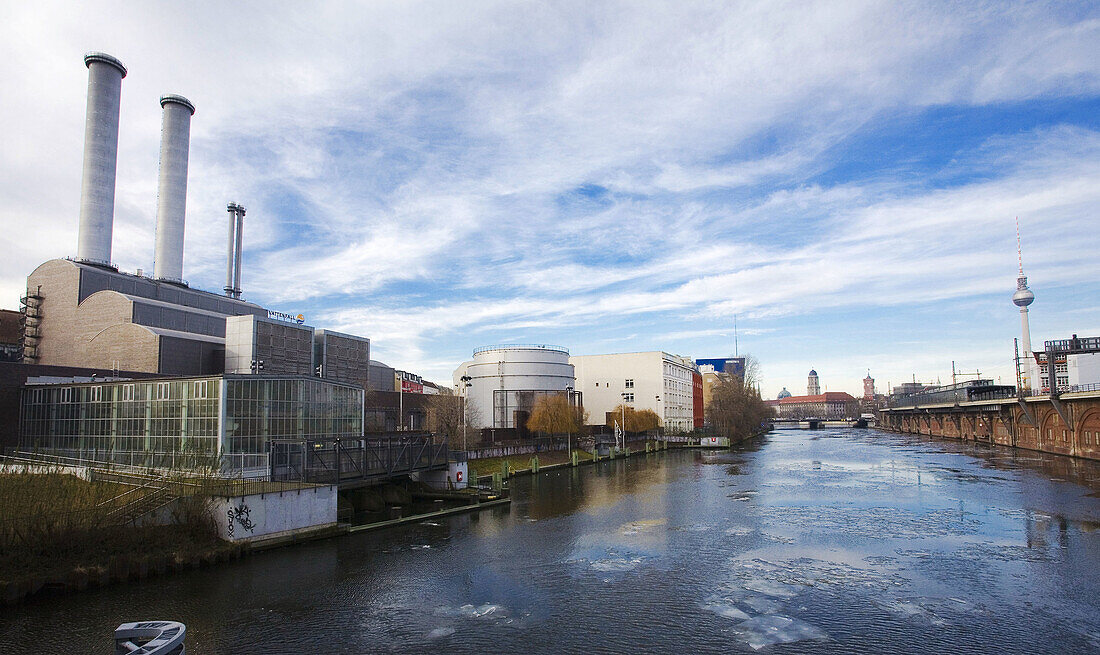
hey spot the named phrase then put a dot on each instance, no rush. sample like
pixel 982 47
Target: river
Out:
pixel 830 541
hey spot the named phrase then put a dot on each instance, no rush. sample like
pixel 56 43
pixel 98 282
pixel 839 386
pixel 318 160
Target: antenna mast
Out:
pixel 735 353
pixel 1019 249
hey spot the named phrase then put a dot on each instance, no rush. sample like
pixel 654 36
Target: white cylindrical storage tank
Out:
pixel 97 187
pixel 175 140
pixel 507 378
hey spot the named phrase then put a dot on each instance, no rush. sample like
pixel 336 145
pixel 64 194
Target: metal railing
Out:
pixel 143 462
pixel 1074 345
pixel 1062 388
pixel 521 346
pixel 352 460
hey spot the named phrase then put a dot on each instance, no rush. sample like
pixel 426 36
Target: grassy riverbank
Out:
pixel 490 465
pixel 57 530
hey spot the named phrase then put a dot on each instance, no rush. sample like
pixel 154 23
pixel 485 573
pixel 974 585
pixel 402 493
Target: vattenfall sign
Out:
pixel 279 316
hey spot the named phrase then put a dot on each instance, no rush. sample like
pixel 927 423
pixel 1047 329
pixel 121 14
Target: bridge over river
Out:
pixel 1065 424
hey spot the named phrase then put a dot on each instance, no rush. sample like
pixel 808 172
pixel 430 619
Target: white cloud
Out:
pixel 411 170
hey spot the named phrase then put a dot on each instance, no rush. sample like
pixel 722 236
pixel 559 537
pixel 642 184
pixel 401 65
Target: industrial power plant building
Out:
pixel 242 376
pixel 86 313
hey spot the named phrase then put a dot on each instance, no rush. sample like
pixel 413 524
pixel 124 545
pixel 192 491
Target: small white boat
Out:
pixel 150 638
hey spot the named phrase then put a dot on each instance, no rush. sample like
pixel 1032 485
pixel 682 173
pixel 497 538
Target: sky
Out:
pixel 843 178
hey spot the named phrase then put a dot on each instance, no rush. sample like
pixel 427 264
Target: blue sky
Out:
pixel 611 177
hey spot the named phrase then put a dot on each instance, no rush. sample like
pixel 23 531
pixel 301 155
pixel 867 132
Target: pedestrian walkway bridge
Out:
pixel 352 463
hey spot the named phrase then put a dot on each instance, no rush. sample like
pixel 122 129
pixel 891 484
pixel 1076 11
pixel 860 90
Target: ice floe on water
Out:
pixel 624 549
pixel 724 607
pixel 471 611
pixel 616 564
pixel 770 588
pixel 440 633
pixel 694 527
pixel 769 629
pixel 910 609
pixel 634 527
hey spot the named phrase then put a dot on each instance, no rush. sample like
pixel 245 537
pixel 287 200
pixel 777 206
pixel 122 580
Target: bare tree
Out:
pixel 736 409
pixel 445 416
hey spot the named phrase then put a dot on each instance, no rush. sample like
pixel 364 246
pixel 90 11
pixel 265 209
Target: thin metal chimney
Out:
pixel 237 255
pixel 230 250
pixel 175 139
pixel 97 188
pixel 233 250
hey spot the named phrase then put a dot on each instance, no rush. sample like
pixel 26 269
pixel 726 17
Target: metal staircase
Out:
pixel 31 307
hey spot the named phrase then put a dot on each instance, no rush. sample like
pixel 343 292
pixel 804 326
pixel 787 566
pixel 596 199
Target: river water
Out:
pixel 831 541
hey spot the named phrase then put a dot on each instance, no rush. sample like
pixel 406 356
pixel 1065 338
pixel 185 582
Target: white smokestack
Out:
pixel 230 250
pixel 233 250
pixel 97 189
pixel 175 139
pixel 237 254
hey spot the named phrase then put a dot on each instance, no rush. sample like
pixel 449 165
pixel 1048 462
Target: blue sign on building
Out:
pixel 728 365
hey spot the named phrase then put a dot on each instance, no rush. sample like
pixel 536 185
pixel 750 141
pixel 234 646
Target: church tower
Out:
pixel 813 386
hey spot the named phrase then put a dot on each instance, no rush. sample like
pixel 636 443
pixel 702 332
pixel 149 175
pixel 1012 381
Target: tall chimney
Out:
pixel 175 139
pixel 237 255
pixel 97 188
pixel 231 251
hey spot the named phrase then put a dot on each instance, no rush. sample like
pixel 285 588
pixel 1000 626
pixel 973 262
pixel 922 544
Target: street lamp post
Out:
pixel 466 384
pixel 623 408
pixel 569 432
pixel 660 416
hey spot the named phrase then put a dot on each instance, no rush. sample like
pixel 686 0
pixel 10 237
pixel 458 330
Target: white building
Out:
pixel 504 382
pixel 1072 372
pixel 650 380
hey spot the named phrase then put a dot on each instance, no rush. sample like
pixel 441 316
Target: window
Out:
pixel 630 384
pixel 163 391
pixel 95 394
pixel 628 397
pixel 127 392
pixel 201 389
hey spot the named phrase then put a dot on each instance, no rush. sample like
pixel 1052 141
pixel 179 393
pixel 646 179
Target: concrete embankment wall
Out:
pixel 259 517
pixel 1069 427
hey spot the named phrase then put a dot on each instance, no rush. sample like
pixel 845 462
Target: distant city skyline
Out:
pixel 611 178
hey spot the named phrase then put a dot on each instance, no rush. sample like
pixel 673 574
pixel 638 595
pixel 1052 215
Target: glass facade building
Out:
pixel 230 419
pixel 511 409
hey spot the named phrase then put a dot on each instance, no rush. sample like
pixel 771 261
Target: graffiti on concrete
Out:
pixel 240 515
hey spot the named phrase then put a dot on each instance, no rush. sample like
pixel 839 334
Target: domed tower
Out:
pixel 1022 298
pixel 783 394
pixel 813 386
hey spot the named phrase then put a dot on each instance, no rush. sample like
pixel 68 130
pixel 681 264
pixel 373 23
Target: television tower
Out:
pixel 1023 296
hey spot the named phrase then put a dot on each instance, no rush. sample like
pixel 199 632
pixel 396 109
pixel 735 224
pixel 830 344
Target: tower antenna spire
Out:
pixel 1019 249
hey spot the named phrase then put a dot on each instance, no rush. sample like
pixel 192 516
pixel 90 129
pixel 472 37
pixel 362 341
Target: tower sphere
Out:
pixel 1023 297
